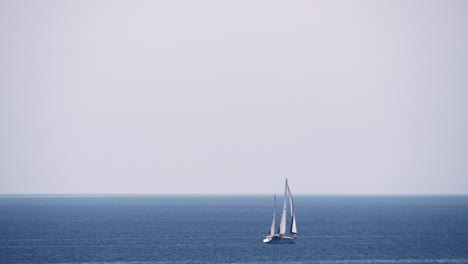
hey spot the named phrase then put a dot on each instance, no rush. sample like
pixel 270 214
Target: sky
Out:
pixel 232 97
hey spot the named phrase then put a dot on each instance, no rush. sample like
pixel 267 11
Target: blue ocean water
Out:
pixel 230 229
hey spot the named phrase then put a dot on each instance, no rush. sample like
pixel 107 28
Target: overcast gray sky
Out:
pixel 356 97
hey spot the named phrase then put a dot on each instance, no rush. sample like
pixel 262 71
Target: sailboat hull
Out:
pixel 278 239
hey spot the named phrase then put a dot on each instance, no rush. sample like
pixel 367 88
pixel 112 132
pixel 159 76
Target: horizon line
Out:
pixel 228 194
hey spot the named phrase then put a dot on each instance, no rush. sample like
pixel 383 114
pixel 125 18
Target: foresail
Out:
pixel 293 226
pixel 293 229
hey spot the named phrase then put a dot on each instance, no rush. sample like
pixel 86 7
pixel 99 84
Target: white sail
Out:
pixel 272 229
pixel 282 229
pixel 293 229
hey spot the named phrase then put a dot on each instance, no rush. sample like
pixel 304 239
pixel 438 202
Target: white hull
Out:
pixel 278 239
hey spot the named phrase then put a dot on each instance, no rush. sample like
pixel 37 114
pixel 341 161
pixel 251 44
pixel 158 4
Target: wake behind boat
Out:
pixel 281 236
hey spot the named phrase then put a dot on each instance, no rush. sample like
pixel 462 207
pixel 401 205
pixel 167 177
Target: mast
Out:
pixel 272 229
pixel 282 229
pixel 293 229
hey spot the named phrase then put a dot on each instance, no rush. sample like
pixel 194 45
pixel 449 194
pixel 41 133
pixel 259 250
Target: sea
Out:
pixel 133 229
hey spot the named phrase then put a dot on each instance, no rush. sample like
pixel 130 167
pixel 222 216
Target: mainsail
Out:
pixel 282 226
pixel 282 229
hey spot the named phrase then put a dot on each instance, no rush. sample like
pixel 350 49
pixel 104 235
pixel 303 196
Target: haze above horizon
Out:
pixel 199 97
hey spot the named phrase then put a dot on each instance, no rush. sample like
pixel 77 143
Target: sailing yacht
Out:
pixel 281 236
